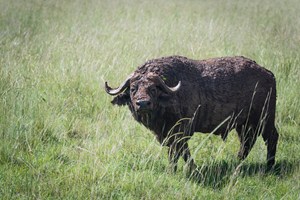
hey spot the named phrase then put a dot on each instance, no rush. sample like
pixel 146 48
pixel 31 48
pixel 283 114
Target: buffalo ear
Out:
pixel 121 99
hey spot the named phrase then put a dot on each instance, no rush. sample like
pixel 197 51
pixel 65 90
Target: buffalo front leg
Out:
pixel 177 150
pixel 173 158
pixel 247 137
pixel 186 155
pixel 179 146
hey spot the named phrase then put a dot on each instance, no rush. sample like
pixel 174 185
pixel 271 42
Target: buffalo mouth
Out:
pixel 144 110
pixel 145 116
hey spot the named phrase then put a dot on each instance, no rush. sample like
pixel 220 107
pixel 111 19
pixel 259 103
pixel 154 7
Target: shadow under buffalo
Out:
pixel 219 174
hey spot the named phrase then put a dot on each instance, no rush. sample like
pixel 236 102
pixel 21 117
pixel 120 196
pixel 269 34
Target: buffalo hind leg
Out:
pixel 270 136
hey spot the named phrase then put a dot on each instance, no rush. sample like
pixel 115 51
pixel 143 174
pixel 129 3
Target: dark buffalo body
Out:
pixel 172 95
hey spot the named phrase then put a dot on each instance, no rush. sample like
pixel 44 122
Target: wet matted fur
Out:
pixel 176 96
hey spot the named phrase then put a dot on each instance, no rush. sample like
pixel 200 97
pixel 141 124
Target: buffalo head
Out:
pixel 143 93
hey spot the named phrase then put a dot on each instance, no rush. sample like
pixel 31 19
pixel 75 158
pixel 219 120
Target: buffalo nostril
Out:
pixel 143 103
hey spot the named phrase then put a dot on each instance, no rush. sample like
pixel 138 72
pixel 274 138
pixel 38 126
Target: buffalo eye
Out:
pixel 133 90
pixel 153 90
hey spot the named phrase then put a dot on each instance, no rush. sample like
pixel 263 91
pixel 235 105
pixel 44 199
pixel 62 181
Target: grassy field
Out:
pixel 62 139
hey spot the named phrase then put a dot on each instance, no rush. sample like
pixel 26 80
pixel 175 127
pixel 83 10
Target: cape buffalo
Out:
pixel 176 96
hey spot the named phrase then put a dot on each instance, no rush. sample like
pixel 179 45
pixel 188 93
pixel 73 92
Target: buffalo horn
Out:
pixel 120 89
pixel 167 88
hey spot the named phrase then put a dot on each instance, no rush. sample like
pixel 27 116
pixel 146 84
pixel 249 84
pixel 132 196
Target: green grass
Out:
pixel 62 139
